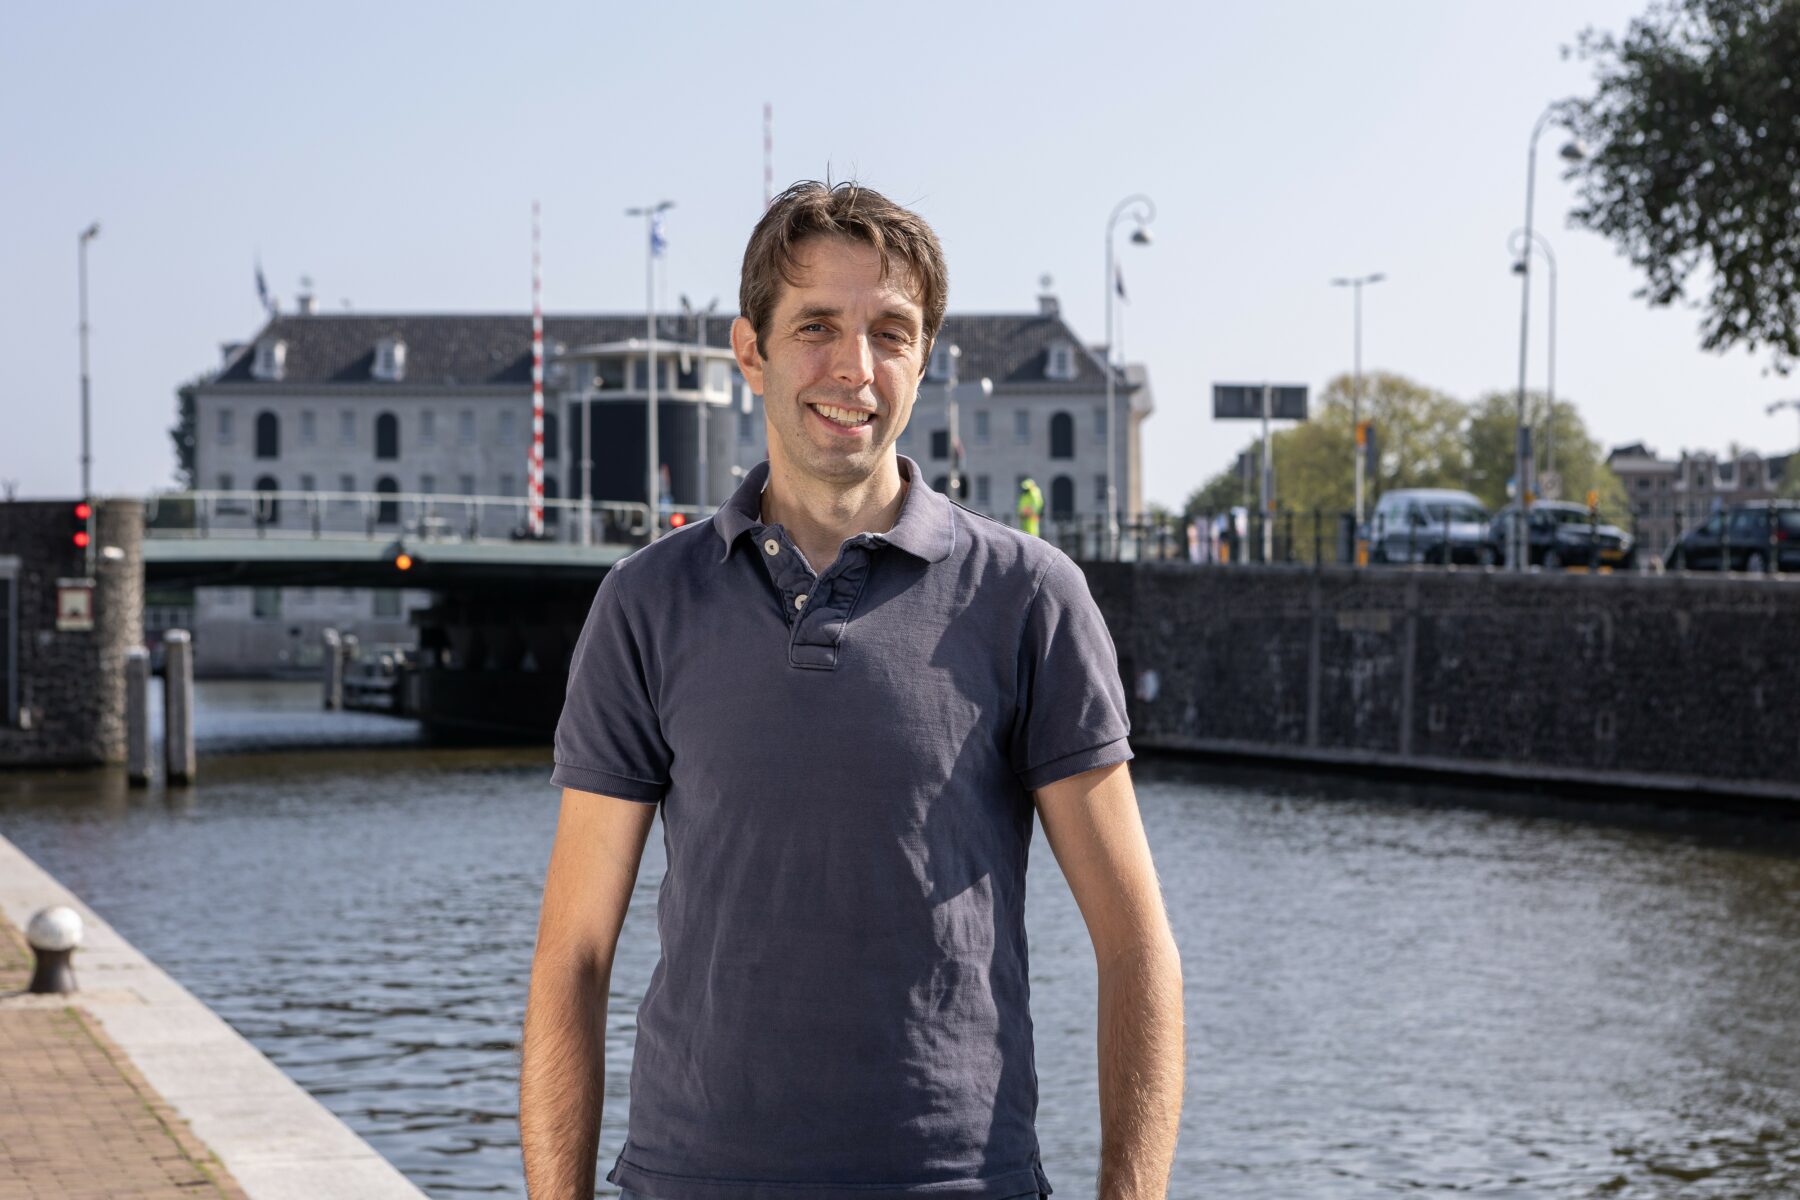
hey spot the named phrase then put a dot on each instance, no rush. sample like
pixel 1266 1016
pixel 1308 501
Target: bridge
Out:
pixel 383 539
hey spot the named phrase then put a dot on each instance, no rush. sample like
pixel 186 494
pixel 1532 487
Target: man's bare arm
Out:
pixel 562 1079
pixel 1091 821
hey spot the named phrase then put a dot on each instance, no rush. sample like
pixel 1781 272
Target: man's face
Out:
pixel 840 366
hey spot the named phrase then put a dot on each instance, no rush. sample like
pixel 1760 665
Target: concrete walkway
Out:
pixel 131 1089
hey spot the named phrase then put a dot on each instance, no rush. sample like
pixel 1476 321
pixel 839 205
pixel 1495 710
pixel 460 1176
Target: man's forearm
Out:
pixel 1142 1071
pixel 562 1078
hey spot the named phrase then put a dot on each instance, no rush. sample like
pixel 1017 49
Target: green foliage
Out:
pixel 1694 134
pixel 183 432
pixel 1579 460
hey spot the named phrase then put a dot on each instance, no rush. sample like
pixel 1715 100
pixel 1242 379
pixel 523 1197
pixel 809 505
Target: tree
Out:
pixel 1694 133
pixel 1579 462
pixel 183 432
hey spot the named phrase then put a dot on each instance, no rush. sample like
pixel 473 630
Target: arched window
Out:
pixel 550 493
pixel 1062 498
pixel 268 500
pixel 268 435
pixel 1062 436
pixel 387 437
pixel 388 512
pixel 550 432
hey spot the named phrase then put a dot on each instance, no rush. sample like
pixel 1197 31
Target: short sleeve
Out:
pixel 608 739
pixel 1071 713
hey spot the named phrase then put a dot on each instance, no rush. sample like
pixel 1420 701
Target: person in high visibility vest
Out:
pixel 1031 506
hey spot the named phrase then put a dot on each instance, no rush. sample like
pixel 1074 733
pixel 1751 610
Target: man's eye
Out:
pixel 811 326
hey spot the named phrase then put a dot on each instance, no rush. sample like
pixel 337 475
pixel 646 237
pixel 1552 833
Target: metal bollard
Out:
pixel 137 716
pixel 178 706
pixel 54 934
pixel 332 662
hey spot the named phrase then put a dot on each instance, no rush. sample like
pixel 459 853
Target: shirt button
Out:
pixel 772 547
pixel 800 600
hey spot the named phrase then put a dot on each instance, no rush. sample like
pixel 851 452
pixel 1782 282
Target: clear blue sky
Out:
pixel 391 151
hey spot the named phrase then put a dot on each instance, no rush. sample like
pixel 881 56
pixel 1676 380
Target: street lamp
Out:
pixel 1356 286
pixel 1143 211
pixel 81 243
pixel 1572 151
pixel 1542 246
pixel 653 476
pixel 698 316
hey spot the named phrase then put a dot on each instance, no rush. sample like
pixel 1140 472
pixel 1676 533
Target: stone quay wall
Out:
pixel 70 684
pixel 1671 682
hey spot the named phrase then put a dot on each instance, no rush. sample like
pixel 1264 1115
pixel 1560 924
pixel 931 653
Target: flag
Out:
pixel 658 243
pixel 262 290
pixel 1119 283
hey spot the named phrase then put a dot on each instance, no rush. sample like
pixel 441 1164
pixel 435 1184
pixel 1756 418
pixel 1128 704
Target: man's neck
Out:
pixel 820 516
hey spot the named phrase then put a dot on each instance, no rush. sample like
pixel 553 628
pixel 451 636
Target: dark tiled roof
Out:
pixel 487 350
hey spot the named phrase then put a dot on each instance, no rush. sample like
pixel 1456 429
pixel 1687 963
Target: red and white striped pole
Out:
pixel 535 488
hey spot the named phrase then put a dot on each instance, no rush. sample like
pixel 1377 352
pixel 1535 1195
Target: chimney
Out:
pixel 1047 306
pixel 305 304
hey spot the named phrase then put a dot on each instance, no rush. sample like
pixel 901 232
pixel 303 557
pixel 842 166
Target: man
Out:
pixel 1031 505
pixel 845 693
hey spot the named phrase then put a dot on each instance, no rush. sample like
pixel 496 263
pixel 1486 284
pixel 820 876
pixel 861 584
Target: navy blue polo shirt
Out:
pixel 844 760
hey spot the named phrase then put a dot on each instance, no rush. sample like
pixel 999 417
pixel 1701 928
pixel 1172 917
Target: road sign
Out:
pixel 1244 402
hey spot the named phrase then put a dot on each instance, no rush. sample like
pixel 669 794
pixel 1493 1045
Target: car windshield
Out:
pixel 1439 512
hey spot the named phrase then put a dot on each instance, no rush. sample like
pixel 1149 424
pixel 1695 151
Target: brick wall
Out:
pixel 1661 681
pixel 71 684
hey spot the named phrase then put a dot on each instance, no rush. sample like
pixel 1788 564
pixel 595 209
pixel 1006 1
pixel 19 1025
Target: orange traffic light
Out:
pixel 403 561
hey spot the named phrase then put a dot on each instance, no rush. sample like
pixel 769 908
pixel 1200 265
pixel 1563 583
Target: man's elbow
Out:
pixel 1150 950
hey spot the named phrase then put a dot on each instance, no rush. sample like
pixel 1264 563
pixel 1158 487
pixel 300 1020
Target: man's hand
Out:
pixel 593 866
pixel 1092 823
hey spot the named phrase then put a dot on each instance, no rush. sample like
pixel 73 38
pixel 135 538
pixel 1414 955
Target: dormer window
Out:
pixel 1061 362
pixel 390 360
pixel 938 369
pixel 270 360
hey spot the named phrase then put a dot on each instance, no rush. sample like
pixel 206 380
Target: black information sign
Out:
pixel 1244 402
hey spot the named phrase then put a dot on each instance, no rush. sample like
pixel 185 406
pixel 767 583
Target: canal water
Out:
pixel 1390 990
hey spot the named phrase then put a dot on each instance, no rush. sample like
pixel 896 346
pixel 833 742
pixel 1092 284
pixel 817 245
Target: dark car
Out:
pixel 1744 537
pixel 1564 534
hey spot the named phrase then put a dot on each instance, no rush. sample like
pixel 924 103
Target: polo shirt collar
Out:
pixel 926 528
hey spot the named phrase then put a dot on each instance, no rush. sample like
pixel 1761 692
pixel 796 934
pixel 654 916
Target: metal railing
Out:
pixel 375 515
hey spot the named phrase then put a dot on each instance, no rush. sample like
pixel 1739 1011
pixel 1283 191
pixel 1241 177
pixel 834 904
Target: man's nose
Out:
pixel 854 363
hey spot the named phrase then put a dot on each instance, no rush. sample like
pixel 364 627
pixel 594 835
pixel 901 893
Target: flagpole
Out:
pixel 535 477
pixel 652 472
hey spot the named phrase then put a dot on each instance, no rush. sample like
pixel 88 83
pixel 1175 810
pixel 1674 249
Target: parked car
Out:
pixel 1563 534
pixel 1430 525
pixel 1744 537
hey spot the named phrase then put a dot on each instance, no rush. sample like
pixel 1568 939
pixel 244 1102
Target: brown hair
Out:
pixel 812 209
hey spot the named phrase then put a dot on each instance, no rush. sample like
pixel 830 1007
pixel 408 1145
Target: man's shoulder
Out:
pixel 1002 545
pixel 674 555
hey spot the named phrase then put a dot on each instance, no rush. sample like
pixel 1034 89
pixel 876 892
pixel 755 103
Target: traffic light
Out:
pixel 84 513
pixel 403 561
pixel 677 520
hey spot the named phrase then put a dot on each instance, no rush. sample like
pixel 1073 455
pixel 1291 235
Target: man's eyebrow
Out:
pixel 814 312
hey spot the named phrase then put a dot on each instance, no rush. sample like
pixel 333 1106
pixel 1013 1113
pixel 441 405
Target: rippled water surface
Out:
pixel 1389 990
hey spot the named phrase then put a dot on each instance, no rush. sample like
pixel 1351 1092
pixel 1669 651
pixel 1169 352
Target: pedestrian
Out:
pixel 848 697
pixel 1031 505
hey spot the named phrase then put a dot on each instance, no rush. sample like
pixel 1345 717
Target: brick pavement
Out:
pixel 77 1120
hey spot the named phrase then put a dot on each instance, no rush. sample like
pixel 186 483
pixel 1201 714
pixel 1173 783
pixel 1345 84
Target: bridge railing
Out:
pixel 373 516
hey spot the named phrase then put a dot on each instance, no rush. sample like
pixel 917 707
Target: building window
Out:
pixel 308 483
pixel 388 511
pixel 1100 490
pixel 1062 436
pixel 428 485
pixel 224 481
pixel 506 485
pixel 387 437
pixel 268 502
pixel 468 485
pixel 940 444
pixel 1060 363
pixel 982 433
pixel 268 435
pixel 509 427
pixel 983 490
pixel 387 603
pixel 428 427
pixel 270 361
pixel 225 425
pixel 937 369
pixel 265 603
pixel 1062 498
pixel 551 492
pixel 390 360
pixel 465 427
pixel 309 427
pixel 347 427
pixel 1100 423
pixel 346 483
pixel 551 449
pixel 1022 426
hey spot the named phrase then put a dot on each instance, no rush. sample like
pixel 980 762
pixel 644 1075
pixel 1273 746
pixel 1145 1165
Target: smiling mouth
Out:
pixel 843 418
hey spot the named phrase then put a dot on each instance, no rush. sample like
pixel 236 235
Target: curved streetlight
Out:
pixel 1516 246
pixel 1572 151
pixel 1143 211
pixel 1356 285
pixel 653 486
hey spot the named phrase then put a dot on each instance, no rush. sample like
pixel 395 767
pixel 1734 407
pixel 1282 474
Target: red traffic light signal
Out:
pixel 677 520
pixel 83 512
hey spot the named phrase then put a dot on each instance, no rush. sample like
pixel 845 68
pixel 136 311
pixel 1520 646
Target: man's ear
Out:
pixel 748 354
